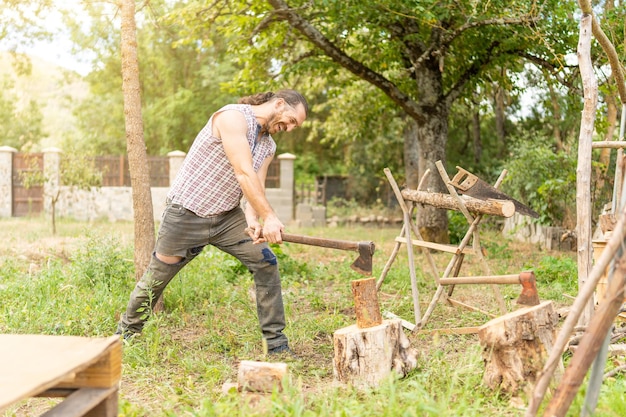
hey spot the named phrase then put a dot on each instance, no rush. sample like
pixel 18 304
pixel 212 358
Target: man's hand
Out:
pixel 255 231
pixel 273 230
pixel 273 226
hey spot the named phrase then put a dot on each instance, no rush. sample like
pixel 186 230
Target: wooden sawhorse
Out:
pixel 85 370
pixel 450 277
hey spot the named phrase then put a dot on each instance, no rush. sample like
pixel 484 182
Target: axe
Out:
pixel 362 264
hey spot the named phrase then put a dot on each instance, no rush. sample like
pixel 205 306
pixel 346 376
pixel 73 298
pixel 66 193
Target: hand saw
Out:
pixel 470 184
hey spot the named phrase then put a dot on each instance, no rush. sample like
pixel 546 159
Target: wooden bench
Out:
pixel 85 371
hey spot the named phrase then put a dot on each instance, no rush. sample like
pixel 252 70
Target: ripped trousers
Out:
pixel 182 233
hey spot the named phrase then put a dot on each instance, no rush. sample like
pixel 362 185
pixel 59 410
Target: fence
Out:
pixel 115 170
pixel 112 200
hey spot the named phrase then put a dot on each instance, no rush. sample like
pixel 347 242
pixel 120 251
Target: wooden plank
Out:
pixel 102 374
pixel 436 246
pixel 84 401
pixel 31 364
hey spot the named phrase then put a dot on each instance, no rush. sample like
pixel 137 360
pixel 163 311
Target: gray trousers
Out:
pixel 182 233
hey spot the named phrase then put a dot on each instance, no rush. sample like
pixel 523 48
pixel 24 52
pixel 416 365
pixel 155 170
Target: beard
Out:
pixel 272 124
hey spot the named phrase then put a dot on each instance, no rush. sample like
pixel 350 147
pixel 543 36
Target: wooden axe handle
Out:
pixel 322 242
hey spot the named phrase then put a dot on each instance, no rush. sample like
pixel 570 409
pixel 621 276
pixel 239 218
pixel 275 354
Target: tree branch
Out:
pixel 456 90
pixel 609 49
pixel 451 36
pixel 283 12
pixel 553 70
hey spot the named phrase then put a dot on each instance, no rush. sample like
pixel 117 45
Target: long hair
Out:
pixel 291 97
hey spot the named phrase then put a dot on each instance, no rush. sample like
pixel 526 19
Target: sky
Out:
pixel 59 51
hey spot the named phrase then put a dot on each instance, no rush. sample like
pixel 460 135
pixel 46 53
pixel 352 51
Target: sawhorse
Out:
pixel 450 278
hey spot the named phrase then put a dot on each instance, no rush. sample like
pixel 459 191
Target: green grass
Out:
pixel 78 283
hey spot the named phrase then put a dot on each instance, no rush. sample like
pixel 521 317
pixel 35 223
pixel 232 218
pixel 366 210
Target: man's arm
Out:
pixel 252 218
pixel 231 127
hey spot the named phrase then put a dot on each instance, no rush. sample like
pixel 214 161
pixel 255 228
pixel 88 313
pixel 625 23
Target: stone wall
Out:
pixel 115 203
pixel 524 229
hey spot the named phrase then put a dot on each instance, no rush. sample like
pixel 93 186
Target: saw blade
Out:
pixel 467 183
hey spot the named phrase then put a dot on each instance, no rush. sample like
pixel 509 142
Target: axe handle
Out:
pixel 327 243
pixel 318 241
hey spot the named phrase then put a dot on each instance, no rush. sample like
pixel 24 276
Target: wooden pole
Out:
pixel 590 343
pixel 584 294
pixel 583 169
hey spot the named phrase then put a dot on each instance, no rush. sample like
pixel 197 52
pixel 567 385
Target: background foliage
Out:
pixel 194 58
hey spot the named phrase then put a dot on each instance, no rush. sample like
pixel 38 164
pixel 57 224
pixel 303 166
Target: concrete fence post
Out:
pixel 52 175
pixel 6 180
pixel 287 181
pixel 176 160
pixel 286 171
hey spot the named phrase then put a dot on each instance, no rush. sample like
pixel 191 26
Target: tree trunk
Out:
pixel 499 100
pixel 476 139
pixel 516 345
pixel 556 115
pixel 365 357
pixel 431 139
pixel 135 145
pixel 411 154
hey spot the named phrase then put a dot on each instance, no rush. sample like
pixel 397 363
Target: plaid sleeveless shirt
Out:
pixel 206 183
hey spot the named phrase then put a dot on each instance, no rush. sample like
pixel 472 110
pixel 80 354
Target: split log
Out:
pixel 261 376
pixel 366 303
pixel 516 345
pixel 365 357
pixel 502 208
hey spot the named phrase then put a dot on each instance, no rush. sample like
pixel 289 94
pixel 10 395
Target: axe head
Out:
pixel 529 296
pixel 363 264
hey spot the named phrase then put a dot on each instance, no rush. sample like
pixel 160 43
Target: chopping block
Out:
pixel 369 351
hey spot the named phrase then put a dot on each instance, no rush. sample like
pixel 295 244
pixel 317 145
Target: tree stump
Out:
pixel 516 346
pixel 366 303
pixel 365 357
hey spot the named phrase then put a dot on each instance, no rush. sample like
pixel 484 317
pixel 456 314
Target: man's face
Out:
pixel 285 118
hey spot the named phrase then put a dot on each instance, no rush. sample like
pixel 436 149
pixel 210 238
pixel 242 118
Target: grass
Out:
pixel 78 282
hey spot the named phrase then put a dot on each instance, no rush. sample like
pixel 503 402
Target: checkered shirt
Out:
pixel 206 183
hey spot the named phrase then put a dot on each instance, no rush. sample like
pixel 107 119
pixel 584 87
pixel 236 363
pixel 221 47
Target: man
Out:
pixel 227 161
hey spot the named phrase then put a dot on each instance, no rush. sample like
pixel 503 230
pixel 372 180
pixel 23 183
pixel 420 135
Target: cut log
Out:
pixel 261 376
pixel 515 347
pixel 365 357
pixel 366 304
pixel 502 208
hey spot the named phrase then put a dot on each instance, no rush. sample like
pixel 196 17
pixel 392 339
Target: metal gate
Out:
pixel 26 201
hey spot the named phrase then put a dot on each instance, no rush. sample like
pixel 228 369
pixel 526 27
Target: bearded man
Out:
pixel 228 161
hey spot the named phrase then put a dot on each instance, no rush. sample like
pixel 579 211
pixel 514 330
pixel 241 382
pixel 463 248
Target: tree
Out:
pixel 21 23
pixel 136 148
pixel 182 85
pixel 422 56
pixel 19 128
